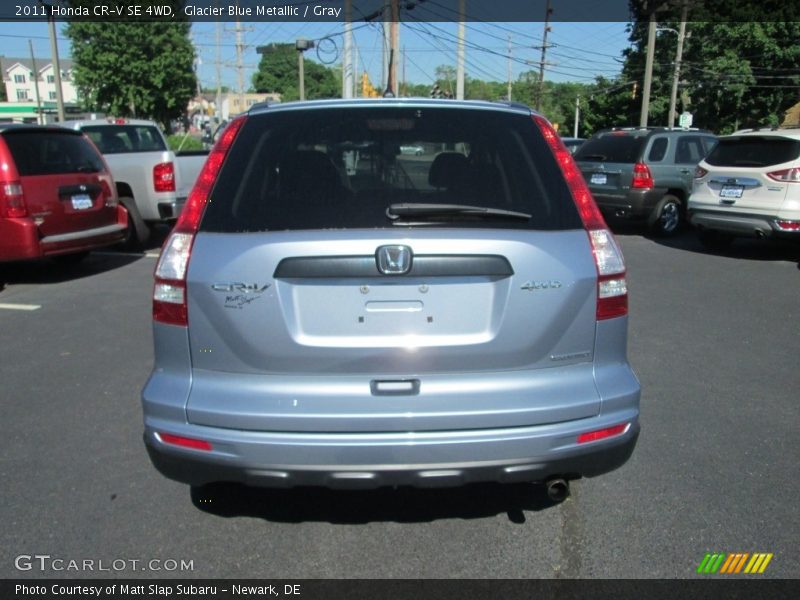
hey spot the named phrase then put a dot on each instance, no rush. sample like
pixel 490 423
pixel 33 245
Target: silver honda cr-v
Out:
pixel 330 310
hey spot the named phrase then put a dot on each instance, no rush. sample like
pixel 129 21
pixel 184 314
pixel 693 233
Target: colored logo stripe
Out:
pixel 734 562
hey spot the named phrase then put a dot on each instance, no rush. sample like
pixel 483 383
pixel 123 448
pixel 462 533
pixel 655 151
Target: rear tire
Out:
pixel 665 220
pixel 714 241
pixel 138 232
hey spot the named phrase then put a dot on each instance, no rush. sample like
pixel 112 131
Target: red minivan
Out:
pixel 57 197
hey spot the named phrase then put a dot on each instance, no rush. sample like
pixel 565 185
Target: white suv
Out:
pixel 748 186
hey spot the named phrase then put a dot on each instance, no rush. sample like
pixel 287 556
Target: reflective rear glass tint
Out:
pixel 754 151
pixel 51 153
pixel 617 147
pixel 343 167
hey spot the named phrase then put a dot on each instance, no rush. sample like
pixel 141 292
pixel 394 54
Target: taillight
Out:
pixel 787 175
pixel 169 292
pixel 612 289
pixel 109 193
pixel 164 177
pixel 700 172
pixel 12 200
pixel 642 178
pixel 785 225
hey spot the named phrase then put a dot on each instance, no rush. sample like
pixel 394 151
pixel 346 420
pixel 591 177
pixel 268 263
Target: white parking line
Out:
pixel 20 306
pixel 153 254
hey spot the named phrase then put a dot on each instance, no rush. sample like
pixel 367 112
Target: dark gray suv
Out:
pixel 330 310
pixel 644 173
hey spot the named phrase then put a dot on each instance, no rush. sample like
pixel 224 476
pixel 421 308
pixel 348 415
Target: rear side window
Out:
pixel 658 150
pixel 690 150
pixel 617 147
pixel 52 153
pixel 118 139
pixel 343 167
pixel 754 151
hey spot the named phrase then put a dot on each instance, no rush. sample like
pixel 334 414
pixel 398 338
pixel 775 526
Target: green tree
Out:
pixel 134 69
pixel 278 73
pixel 735 72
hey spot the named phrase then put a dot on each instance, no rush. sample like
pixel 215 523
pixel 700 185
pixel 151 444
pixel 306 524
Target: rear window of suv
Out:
pixel 51 153
pixel 119 139
pixel 754 151
pixel 616 147
pixel 340 168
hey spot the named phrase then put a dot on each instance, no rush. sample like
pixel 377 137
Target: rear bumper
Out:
pixel 170 211
pixel 364 461
pixel 635 204
pixel 22 239
pixel 741 225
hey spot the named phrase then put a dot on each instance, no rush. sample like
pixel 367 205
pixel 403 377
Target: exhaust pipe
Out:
pixel 557 489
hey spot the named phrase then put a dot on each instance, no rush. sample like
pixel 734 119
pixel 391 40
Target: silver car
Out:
pixel 427 321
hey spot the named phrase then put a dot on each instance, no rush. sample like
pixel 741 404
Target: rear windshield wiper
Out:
pixel 600 157
pixel 403 209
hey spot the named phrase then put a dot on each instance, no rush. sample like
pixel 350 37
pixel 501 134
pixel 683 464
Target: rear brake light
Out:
pixel 177 440
pixel 784 225
pixel 164 177
pixel 12 200
pixel 789 175
pixel 642 178
pixel 169 292
pixel 700 172
pixel 601 434
pixel 612 289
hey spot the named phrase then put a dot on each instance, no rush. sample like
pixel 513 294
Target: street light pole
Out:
pixel 301 46
pixel 673 99
pixel 648 70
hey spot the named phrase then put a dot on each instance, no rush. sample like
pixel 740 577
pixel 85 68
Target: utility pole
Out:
pixel 548 12
pixel 56 63
pixel 218 99
pixel 405 81
pixel 39 115
pixel 347 62
pixel 387 42
pixel 239 65
pixel 460 52
pixel 301 45
pixel 648 69
pixel 508 96
pixel 577 115
pixel 673 98
pixel 394 31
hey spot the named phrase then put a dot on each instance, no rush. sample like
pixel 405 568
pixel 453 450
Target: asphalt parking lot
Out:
pixel 715 340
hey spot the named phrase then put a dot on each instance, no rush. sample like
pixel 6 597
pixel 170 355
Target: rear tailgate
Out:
pixel 737 180
pixel 299 321
pixel 308 352
pixel 64 180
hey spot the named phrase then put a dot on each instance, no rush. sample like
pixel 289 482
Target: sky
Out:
pixel 576 51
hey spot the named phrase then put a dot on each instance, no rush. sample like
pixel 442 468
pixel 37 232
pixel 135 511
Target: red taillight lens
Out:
pixel 164 177
pixel 12 200
pixel 601 434
pixel 177 440
pixel 700 172
pixel 787 175
pixel 169 292
pixel 784 225
pixel 642 178
pixel 612 290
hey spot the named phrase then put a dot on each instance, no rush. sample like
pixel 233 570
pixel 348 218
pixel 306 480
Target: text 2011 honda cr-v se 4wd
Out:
pixel 332 311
